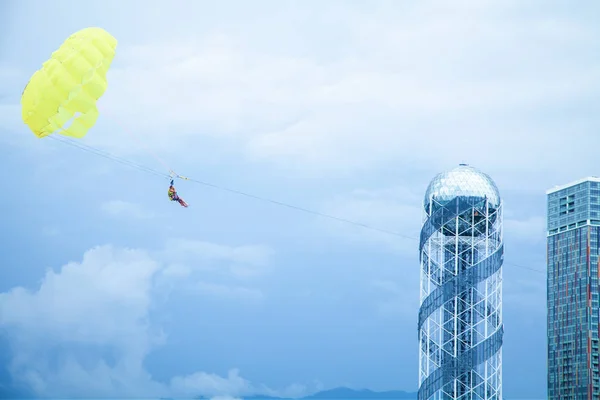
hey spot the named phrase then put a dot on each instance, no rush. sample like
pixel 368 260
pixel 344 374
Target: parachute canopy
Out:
pixel 69 84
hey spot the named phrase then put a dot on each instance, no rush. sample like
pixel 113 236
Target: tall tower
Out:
pixel 460 318
pixel 573 242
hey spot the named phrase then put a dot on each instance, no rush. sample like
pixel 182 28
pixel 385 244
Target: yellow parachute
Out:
pixel 69 84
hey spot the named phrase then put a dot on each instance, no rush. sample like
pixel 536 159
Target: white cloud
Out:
pixel 396 210
pixel 407 82
pixel 230 292
pixel 241 262
pixel 101 302
pixel 212 384
pixel 399 210
pixel 87 329
pixel 389 86
pixel 177 271
pixel 120 208
pixel 92 279
pixel 233 385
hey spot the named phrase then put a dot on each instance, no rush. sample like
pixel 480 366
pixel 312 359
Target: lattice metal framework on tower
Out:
pixel 460 317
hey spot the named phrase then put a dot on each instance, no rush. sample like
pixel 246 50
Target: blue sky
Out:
pixel 344 107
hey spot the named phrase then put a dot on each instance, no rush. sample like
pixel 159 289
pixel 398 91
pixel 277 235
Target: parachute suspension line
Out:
pixel 143 168
pixel 107 155
pixel 101 153
pixel 306 210
pixel 172 173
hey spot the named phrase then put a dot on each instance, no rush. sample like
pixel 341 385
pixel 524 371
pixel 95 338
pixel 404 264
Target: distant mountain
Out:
pixel 347 393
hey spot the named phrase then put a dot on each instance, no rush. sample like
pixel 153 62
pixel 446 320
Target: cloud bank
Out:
pixel 88 327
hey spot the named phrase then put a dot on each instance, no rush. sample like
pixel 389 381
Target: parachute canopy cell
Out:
pixel 61 96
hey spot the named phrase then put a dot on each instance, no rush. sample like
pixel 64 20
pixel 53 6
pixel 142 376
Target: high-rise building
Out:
pixel 460 317
pixel 572 296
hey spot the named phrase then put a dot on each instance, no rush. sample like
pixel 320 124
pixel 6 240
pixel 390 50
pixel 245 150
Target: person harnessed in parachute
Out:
pixel 173 196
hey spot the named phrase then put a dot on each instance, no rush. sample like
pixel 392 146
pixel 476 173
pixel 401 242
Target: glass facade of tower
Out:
pixel 573 274
pixel 460 318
